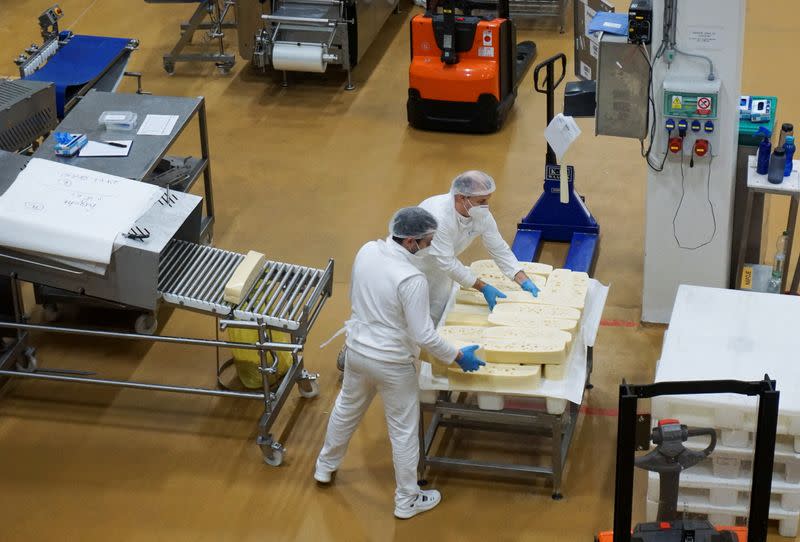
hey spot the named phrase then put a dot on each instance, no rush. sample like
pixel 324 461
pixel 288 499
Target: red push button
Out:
pixel 668 421
pixel 665 525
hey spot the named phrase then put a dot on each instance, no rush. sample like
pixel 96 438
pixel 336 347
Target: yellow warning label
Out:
pixel 677 102
pixel 747 278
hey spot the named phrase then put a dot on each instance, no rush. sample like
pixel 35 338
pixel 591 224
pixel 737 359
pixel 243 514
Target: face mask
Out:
pixel 421 252
pixel 477 211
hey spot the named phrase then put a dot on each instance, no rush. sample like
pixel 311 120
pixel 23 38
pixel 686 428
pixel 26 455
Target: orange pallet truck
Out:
pixel 670 457
pixel 465 66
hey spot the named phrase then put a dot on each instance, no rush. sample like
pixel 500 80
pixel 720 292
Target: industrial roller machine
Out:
pixel 309 35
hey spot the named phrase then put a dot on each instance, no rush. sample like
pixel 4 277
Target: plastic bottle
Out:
pixel 764 149
pixel 790 148
pixel 774 284
pixel 787 129
pixel 776 165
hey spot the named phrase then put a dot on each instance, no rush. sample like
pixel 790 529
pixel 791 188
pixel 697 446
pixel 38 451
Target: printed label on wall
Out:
pixel 704 37
pixel 486 52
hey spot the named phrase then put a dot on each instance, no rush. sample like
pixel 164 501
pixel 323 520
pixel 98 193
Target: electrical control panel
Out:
pixel 689 113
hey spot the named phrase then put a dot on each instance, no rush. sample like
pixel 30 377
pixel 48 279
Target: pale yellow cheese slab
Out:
pixel 467 315
pixel 505 378
pixel 530 268
pixel 544 350
pixel 555 372
pixel 471 334
pixel 533 320
pixel 243 278
pixel 525 332
pixel 545 311
pixel 566 287
pixel 505 284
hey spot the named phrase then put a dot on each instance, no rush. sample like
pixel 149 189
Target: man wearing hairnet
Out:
pixel 463 215
pixel 389 322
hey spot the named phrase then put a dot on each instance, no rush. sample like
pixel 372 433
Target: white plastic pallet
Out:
pixel 736 419
pixel 694 502
pixel 726 491
pixel 735 462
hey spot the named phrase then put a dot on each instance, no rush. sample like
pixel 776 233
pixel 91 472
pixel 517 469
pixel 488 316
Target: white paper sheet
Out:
pixel 561 133
pixel 70 212
pixel 159 125
pixel 100 148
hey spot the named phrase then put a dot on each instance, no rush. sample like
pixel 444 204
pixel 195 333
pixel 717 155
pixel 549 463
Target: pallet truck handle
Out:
pixel 549 83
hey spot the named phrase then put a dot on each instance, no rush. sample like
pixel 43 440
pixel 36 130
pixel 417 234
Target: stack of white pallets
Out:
pixel 721 334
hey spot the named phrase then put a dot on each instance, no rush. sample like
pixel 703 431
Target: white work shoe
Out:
pixel 323 477
pixel 425 501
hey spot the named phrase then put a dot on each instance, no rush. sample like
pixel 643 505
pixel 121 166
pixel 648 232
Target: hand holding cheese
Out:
pixel 490 293
pixel 529 286
pixel 467 359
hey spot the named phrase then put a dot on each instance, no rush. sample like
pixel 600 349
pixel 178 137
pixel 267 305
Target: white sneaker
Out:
pixel 425 501
pixel 323 477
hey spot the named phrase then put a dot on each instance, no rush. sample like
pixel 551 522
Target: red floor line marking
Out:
pixel 618 323
pixel 594 411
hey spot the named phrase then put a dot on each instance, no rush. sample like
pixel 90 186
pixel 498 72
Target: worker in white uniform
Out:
pixel 463 215
pixel 389 323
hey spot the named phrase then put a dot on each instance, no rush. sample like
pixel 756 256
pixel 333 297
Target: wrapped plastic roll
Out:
pixel 306 57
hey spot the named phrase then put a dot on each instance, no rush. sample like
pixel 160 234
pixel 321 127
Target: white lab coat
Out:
pixel 454 234
pixel 390 317
pixel 390 320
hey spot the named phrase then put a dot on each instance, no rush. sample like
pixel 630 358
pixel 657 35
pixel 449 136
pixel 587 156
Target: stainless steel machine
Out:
pixel 309 35
pixel 161 262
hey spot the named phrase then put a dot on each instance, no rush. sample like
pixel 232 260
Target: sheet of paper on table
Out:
pixel 159 125
pixel 70 212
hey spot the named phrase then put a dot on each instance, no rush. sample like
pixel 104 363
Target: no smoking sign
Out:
pixel 703 105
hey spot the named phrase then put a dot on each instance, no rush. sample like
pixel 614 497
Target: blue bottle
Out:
pixel 764 148
pixel 789 148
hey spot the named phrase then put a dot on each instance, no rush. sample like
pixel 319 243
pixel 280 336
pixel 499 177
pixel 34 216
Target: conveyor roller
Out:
pixel 285 296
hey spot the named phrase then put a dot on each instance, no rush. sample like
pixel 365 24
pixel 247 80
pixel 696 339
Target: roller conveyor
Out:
pixel 285 296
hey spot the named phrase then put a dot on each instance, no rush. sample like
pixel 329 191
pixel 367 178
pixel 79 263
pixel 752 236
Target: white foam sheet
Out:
pixel 571 387
pixel 733 334
pixel 70 212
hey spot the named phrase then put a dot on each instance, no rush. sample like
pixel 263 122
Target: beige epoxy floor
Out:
pixel 304 174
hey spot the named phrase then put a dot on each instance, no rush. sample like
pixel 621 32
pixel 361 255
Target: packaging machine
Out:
pixel 308 35
pixel 161 262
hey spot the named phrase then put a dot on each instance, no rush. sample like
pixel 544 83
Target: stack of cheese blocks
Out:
pixel 720 486
pixel 525 338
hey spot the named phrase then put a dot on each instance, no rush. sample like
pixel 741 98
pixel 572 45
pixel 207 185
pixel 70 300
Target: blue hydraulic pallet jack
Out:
pixel 549 219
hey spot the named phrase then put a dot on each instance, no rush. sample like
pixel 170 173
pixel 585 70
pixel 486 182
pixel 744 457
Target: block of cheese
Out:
pixel 566 287
pixel 525 332
pixel 474 297
pixel 503 283
pixel 532 320
pixel 555 372
pixel 506 378
pixel 467 315
pixel 470 334
pixel 546 311
pixel 243 278
pixel 543 349
pixel 530 268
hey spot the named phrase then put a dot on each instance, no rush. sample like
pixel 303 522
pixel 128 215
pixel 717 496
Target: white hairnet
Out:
pixel 473 183
pixel 412 223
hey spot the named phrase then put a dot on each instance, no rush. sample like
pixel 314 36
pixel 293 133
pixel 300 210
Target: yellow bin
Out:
pixel 247 361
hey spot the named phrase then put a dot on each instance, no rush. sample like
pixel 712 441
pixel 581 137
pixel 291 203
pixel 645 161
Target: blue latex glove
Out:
pixel 490 293
pixel 529 286
pixel 469 361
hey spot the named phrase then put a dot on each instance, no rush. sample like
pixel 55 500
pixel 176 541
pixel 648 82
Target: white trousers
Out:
pixel 397 384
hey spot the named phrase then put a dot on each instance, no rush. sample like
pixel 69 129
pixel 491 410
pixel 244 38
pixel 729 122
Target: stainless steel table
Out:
pixel 147 151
